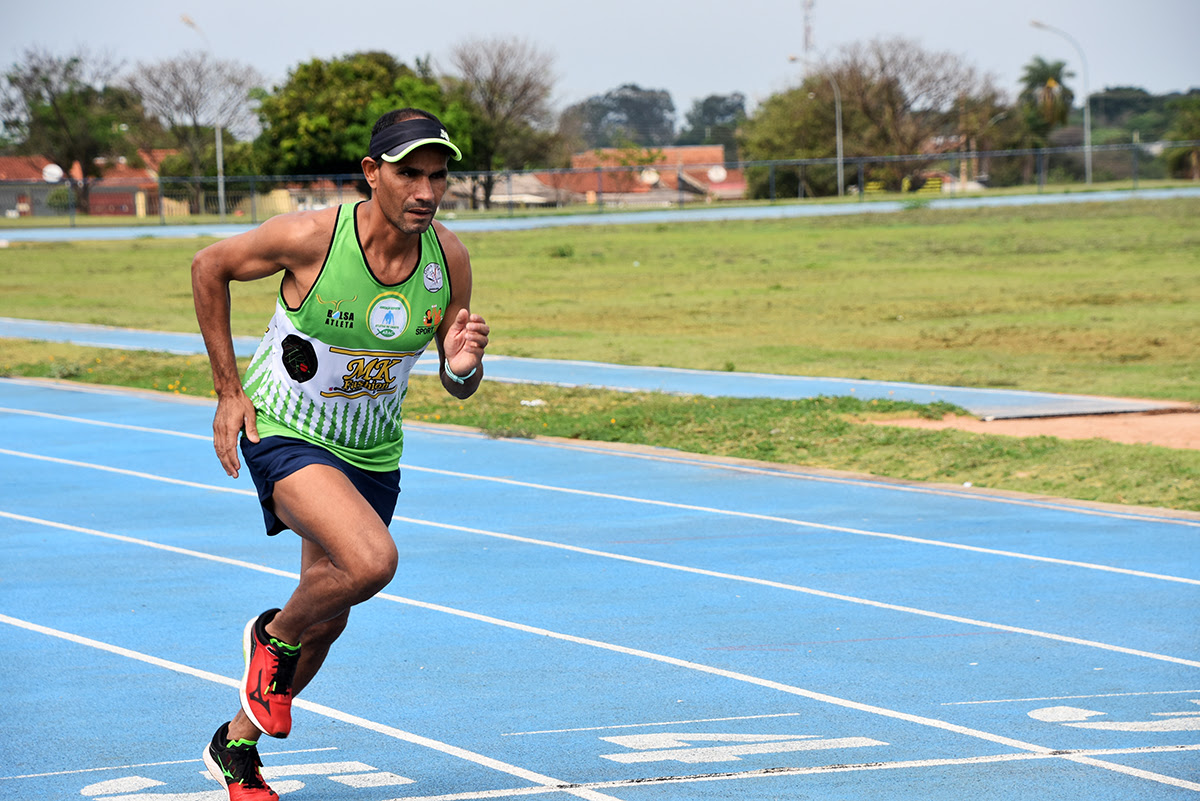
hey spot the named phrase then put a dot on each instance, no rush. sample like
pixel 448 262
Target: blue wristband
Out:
pixel 457 379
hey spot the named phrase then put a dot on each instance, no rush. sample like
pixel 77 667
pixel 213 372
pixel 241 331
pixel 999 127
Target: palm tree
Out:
pixel 1045 100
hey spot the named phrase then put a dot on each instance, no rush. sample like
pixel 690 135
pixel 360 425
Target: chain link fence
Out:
pixel 252 199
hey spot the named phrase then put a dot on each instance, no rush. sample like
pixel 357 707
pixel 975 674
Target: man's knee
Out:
pixel 378 566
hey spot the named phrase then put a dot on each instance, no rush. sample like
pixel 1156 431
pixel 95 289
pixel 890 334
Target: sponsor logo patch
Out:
pixel 388 315
pixel 336 317
pixel 433 277
pixel 367 373
pixel 430 322
pixel 299 358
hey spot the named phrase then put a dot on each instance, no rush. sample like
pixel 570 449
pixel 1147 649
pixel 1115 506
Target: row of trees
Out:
pixel 896 98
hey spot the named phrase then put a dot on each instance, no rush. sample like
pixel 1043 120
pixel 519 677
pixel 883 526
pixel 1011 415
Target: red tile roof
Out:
pixel 694 161
pixel 22 168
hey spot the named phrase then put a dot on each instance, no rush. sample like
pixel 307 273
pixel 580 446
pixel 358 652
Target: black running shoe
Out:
pixel 237 767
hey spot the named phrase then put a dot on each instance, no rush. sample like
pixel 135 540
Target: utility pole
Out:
pixel 191 23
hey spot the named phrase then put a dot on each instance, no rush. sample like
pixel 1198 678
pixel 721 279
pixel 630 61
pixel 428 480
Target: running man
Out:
pixel 364 289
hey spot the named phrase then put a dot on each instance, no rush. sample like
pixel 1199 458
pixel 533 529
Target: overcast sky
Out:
pixel 691 48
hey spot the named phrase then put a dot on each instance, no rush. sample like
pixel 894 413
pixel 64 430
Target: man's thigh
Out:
pixel 324 507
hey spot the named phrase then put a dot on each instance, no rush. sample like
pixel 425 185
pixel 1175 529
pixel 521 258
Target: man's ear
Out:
pixel 370 168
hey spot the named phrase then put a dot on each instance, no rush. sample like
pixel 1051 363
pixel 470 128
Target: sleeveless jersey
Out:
pixel 334 371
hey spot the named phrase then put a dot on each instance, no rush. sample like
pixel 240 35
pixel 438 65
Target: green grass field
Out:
pixel 1079 298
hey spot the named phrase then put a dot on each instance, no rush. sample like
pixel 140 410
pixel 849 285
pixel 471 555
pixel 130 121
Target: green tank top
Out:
pixel 334 371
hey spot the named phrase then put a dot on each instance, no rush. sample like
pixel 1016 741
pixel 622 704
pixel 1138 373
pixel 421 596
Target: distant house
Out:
pixel 532 190
pixel 124 190
pixel 693 171
pixel 23 190
pixel 28 184
pixel 307 196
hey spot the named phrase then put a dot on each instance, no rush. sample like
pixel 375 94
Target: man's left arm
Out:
pixel 462 336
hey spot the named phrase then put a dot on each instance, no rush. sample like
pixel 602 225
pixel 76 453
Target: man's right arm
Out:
pixel 288 242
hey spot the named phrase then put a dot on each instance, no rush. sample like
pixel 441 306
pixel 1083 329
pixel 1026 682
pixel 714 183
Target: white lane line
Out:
pixel 667 504
pixel 319 709
pixel 1069 697
pixel 796 472
pixel 745 678
pixel 814 592
pixel 644 725
pixel 124 472
pixel 680 568
pixel 140 765
pixel 770 773
pixel 809 524
pixel 781 472
pixel 104 424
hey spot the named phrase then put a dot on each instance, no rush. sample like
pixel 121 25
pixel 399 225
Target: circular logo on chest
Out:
pixel 433 276
pixel 388 315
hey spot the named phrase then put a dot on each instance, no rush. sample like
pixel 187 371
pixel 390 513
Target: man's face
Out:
pixel 409 191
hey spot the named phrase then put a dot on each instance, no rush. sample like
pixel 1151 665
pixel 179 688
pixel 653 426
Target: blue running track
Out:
pixel 579 621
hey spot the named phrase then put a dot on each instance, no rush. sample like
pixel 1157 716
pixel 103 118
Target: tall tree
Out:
pixel 70 110
pixel 796 124
pixel 714 121
pixel 192 94
pixel 896 99
pixel 903 95
pixel 1185 127
pixel 627 115
pixel 319 121
pixel 509 83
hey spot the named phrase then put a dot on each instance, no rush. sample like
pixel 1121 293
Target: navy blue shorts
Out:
pixel 274 458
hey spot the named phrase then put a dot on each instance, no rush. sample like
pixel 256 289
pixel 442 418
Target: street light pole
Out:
pixel 837 113
pixel 1087 100
pixel 220 145
pixel 837 119
pixel 220 174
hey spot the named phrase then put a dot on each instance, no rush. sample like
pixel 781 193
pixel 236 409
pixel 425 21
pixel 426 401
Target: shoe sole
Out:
pixel 214 769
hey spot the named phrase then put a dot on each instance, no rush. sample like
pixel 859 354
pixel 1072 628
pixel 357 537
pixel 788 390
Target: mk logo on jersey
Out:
pixel 369 373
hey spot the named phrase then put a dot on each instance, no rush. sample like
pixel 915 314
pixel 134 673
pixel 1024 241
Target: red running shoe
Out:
pixel 267 686
pixel 236 766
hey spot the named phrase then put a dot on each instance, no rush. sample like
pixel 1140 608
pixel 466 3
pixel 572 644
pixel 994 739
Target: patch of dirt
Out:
pixel 1174 429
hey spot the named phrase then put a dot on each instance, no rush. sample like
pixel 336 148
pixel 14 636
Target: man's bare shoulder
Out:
pixel 454 248
pixel 302 229
pixel 294 241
